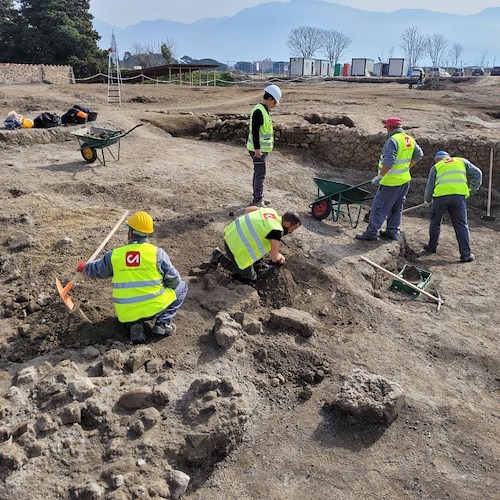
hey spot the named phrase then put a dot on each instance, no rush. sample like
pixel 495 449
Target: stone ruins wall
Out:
pixel 35 73
pixel 345 146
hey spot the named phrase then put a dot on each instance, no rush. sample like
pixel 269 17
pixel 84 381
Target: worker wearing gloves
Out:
pixel 145 283
pixel 249 238
pixel 399 154
pixel 261 139
pixel 451 181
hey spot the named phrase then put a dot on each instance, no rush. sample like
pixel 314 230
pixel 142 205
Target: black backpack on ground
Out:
pixel 47 120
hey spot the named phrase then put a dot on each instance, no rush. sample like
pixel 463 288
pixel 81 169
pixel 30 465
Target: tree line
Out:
pixel 307 41
pixel 56 32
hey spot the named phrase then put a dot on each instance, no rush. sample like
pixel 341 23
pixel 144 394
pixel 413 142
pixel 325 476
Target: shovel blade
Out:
pixel 64 293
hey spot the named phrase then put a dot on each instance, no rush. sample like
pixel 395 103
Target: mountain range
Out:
pixel 261 32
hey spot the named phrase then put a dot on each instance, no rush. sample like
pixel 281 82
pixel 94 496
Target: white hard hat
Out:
pixel 275 91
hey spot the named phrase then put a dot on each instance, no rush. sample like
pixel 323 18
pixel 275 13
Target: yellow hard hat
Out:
pixel 141 222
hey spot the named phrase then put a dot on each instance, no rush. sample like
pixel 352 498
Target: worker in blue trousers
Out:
pixel 451 181
pixel 399 154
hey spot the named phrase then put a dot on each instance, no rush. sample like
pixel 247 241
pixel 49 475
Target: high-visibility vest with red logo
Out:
pixel 399 173
pixel 451 178
pixel 246 236
pixel 138 289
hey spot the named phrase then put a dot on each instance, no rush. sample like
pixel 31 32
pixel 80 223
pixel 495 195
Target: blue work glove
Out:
pixel 376 180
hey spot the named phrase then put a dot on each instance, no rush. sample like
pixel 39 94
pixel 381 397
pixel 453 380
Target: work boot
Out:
pixel 214 260
pixel 470 258
pixel 165 329
pixel 366 237
pixel 137 334
pixel 428 249
pixel 389 236
pixel 259 204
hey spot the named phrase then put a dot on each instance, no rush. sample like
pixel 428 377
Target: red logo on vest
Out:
pixel 448 160
pixel 267 215
pixel 133 259
pixel 408 141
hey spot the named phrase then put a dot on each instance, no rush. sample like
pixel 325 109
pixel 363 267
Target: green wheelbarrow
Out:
pixel 91 139
pixel 339 198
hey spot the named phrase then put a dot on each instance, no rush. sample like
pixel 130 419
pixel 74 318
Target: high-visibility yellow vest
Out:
pixel 266 134
pixel 399 174
pixel 451 178
pixel 138 290
pixel 246 236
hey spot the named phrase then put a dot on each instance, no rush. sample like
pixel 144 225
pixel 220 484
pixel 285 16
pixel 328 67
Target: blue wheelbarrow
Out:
pixel 339 199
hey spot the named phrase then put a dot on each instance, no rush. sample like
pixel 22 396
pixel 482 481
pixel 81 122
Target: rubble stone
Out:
pixel 71 414
pixel 178 483
pixel 226 329
pixel 134 399
pixel 26 375
pixel 370 397
pixel 294 319
pixel 81 388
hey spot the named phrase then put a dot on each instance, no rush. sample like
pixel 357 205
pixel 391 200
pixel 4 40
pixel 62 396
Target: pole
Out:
pixel 490 180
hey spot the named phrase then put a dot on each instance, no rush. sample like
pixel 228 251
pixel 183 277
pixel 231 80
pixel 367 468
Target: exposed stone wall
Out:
pixel 342 146
pixel 35 73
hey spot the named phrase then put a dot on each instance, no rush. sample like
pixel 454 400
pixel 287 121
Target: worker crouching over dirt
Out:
pixel 249 238
pixel 145 283
pixel 399 154
pixel 451 181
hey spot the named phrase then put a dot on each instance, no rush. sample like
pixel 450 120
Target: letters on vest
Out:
pixel 266 133
pixel 246 236
pixel 138 290
pixel 399 173
pixel 451 178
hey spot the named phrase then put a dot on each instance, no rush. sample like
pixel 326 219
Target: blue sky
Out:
pixel 127 12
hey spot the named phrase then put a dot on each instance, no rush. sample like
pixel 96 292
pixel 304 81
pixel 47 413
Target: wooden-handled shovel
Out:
pixel 64 291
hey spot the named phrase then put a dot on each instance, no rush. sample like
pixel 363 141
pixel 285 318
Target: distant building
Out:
pixel 361 67
pixel 300 66
pixel 246 67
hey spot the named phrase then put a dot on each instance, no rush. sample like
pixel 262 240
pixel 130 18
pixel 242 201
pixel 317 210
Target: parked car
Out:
pixel 438 72
pixel 458 72
pixel 478 72
pixel 495 71
pixel 417 72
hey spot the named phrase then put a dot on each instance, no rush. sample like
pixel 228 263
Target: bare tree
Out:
pixel 153 53
pixel 334 45
pixel 455 53
pixel 436 45
pixel 305 41
pixel 168 48
pixel 482 61
pixel 392 49
pixel 413 45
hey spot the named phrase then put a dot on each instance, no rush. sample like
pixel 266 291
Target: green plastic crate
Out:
pixel 426 277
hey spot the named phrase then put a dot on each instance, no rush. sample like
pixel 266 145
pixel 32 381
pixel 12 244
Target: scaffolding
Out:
pixel 114 75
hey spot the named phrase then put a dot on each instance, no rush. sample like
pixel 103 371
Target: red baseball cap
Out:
pixel 393 121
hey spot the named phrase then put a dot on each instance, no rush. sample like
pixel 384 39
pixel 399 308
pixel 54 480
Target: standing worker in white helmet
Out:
pixel 261 140
pixel 145 284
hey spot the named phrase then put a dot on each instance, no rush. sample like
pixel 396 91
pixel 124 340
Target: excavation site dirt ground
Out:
pixel 84 414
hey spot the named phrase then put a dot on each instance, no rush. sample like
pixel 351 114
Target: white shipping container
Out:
pixel 398 67
pixel 301 67
pixel 362 67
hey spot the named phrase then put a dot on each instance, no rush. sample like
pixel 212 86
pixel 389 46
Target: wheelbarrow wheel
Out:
pixel 321 209
pixel 89 154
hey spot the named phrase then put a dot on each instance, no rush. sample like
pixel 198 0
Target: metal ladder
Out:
pixel 114 75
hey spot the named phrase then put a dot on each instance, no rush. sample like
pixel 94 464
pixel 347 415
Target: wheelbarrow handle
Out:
pixel 133 128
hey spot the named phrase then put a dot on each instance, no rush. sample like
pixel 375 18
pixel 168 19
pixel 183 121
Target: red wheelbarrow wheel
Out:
pixel 321 209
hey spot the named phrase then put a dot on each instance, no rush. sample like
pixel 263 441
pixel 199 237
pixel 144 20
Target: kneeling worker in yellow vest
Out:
pixel 145 283
pixel 249 238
